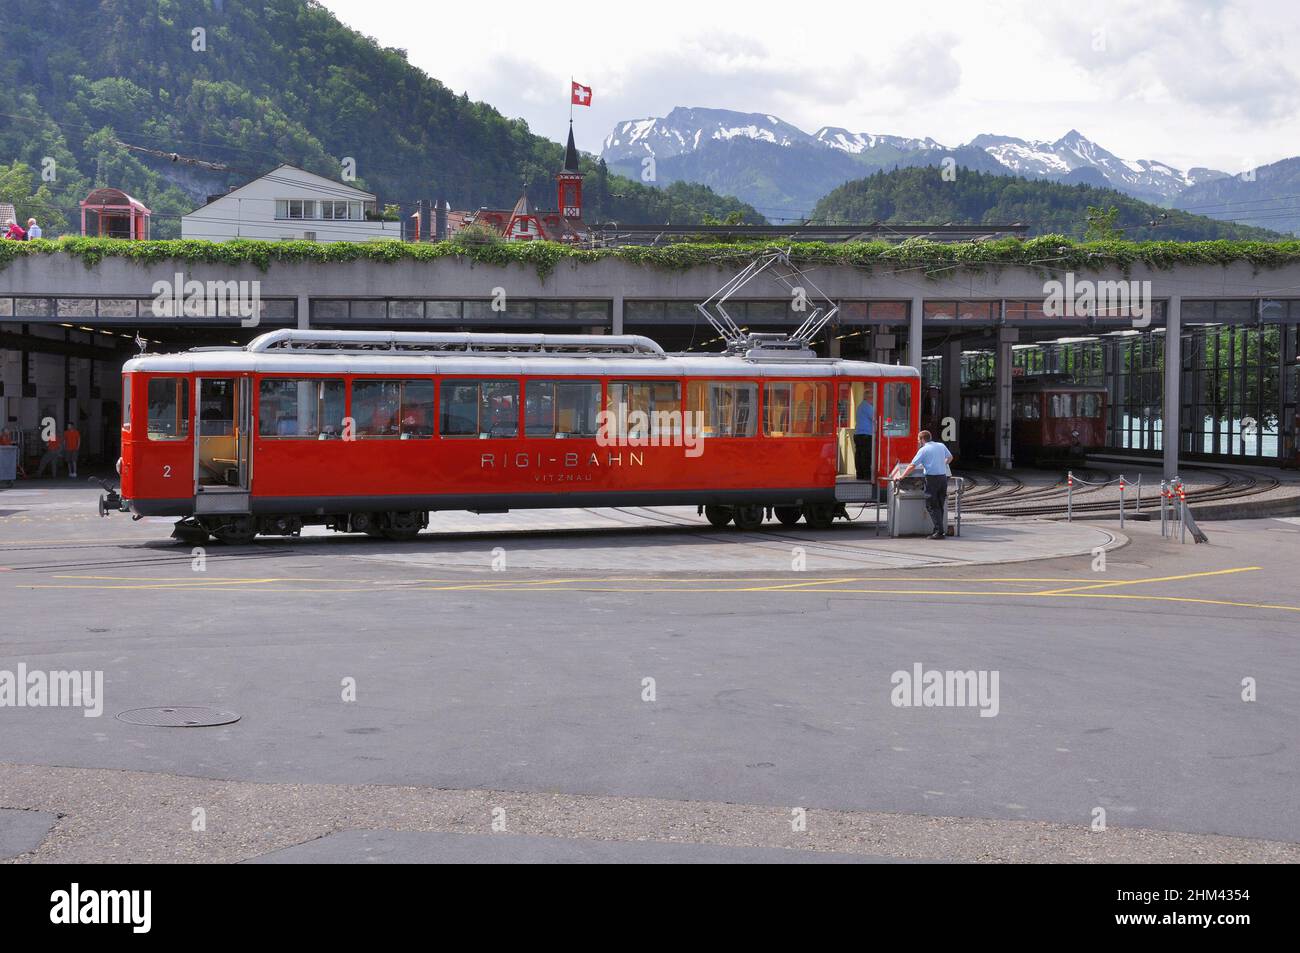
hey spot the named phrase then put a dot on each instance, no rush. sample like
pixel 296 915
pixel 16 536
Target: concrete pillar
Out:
pixel 1171 409
pixel 1002 376
pixel 883 342
pixel 914 345
pixel 304 312
pixel 617 313
pixel 951 384
pixel 833 344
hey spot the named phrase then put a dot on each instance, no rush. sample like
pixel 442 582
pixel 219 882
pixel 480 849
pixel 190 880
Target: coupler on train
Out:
pixel 111 501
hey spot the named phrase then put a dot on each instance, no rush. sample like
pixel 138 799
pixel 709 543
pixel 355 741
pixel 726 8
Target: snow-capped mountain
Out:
pixel 856 143
pixel 1144 178
pixel 685 130
pixel 780 165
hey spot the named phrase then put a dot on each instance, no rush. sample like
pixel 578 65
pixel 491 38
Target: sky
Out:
pixel 1186 82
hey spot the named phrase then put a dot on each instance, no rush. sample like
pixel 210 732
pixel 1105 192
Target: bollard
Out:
pixel 1182 512
pixel 1069 495
pixel 1164 509
pixel 1121 501
pixel 1138 506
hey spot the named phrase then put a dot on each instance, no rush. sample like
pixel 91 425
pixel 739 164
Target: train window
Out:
pixel 397 410
pixel 308 408
pixel 645 408
pixel 1061 405
pixel 897 410
pixel 1088 405
pixel 1026 407
pixel 561 408
pixel 728 407
pixel 796 409
pixel 169 408
pixel 126 402
pixel 480 409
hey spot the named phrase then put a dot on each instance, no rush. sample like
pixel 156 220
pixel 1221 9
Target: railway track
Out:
pixel 1096 492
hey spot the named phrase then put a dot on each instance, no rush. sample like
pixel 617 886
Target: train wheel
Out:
pixel 718 515
pixel 403 526
pixel 236 530
pixel 749 517
pixel 788 515
pixel 819 515
pixel 367 523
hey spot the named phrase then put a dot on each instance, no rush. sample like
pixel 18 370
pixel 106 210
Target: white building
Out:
pixel 289 203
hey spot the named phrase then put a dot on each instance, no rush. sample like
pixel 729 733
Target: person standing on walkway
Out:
pixel 33 230
pixel 71 448
pixel 933 459
pixel 863 436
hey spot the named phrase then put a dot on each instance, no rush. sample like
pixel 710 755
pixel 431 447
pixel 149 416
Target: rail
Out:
pixel 1173 505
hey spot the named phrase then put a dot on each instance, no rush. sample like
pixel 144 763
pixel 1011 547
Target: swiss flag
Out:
pixel 581 95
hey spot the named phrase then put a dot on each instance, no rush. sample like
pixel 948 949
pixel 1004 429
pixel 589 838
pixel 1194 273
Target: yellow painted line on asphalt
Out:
pixel 1012 594
pixel 1135 582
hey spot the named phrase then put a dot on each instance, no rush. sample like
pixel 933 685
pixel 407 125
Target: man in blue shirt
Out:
pixel 933 459
pixel 862 437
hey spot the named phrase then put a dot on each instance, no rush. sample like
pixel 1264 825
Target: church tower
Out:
pixel 569 182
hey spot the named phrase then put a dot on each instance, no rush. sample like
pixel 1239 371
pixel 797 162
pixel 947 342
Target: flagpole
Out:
pixel 570 100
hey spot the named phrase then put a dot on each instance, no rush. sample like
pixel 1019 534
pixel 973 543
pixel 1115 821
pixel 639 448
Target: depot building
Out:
pixel 1216 342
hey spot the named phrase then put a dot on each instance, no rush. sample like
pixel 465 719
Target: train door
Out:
pixel 859 423
pixel 895 425
pixel 223 425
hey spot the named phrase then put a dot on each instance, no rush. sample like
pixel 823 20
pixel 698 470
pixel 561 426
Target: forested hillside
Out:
pixel 265 83
pixel 923 195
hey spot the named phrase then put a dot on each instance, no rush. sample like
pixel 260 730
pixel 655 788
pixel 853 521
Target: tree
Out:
pixel 1101 224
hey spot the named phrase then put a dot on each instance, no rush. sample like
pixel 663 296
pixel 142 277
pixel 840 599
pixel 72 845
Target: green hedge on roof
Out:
pixel 933 259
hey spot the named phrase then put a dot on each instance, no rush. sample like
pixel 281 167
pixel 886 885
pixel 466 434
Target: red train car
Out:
pixel 1051 419
pixel 370 431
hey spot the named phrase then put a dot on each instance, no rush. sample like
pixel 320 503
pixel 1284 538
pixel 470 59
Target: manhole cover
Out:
pixel 178 716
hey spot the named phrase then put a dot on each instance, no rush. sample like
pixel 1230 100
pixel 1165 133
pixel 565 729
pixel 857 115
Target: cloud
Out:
pixel 1229 59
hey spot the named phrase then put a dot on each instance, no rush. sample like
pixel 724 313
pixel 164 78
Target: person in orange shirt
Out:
pixel 51 457
pixel 71 448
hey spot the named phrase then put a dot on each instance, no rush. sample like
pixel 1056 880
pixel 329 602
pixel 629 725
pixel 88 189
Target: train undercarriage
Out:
pixel 238 529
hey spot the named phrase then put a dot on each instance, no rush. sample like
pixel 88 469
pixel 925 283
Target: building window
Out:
pixel 340 210
pixel 295 208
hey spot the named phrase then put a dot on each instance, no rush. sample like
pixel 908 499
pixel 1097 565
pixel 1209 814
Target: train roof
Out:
pixel 400 353
pixel 1038 384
